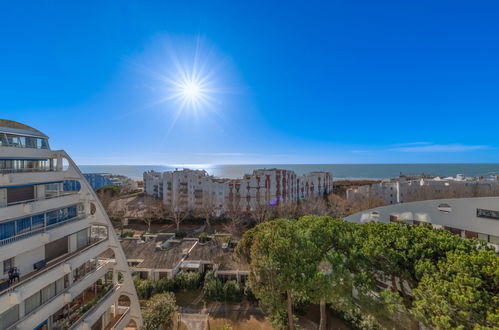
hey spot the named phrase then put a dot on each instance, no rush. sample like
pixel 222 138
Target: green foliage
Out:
pixel 213 287
pixel 203 238
pixel 159 311
pixel 187 280
pixel 436 277
pixel 126 234
pixel 144 288
pixel 462 292
pixel 163 285
pixel 110 190
pixel 232 291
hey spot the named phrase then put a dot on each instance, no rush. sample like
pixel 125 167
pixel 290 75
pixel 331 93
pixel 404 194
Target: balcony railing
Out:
pixel 43 229
pixel 16 325
pixel 25 170
pixel 90 307
pixel 52 264
pixel 48 195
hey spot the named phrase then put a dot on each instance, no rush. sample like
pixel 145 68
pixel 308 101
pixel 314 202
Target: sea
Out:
pixel 339 171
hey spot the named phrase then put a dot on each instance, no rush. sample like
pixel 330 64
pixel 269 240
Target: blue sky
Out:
pixel 287 82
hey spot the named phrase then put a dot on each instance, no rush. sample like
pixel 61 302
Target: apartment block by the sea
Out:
pixel 53 239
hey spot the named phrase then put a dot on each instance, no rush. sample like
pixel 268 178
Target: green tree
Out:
pixel 159 311
pixel 278 266
pixel 461 293
pixel 213 287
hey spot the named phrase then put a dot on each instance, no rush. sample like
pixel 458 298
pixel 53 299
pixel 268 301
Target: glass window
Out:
pixel 23 225
pixel 8 264
pixel 48 292
pixel 7 230
pixel 483 237
pixel 32 303
pixel 9 317
pixel 37 221
pixel 494 239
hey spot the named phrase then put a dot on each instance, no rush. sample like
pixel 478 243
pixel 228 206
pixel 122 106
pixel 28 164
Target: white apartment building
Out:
pixel 53 273
pixel 403 190
pixel 193 189
pixel 153 184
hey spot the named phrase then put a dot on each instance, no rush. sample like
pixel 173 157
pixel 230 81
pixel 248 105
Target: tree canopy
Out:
pixel 396 272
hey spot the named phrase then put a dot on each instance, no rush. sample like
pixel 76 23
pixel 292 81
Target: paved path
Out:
pixel 195 321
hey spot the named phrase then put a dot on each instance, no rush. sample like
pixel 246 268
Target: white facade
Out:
pixel 468 217
pixel 404 190
pixel 52 275
pixel 193 189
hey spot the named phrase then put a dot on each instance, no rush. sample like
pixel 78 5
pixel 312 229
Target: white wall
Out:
pixel 462 214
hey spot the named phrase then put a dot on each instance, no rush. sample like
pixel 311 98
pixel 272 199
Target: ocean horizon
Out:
pixel 339 171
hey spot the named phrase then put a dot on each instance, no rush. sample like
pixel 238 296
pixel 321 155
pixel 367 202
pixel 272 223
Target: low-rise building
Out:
pixel 163 256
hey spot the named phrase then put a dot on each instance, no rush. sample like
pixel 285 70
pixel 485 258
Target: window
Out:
pixel 32 303
pixel 445 208
pixel 489 214
pixel 8 264
pixel 494 239
pixel 48 292
pixel 483 237
pixel 9 317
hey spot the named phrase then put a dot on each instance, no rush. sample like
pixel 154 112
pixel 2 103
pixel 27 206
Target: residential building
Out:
pixel 188 189
pixel 52 241
pixel 153 184
pixel 163 256
pixel 410 189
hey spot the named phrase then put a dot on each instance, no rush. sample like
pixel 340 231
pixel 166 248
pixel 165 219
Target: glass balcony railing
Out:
pixel 20 141
pixel 14 230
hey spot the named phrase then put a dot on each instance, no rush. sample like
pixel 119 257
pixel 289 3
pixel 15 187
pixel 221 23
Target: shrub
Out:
pixel 126 234
pixel 203 238
pixel 187 280
pixel 232 291
pixel 144 288
pixel 159 311
pixel 164 285
pixel 213 288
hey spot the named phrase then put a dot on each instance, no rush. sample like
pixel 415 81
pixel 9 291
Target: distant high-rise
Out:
pixel 52 241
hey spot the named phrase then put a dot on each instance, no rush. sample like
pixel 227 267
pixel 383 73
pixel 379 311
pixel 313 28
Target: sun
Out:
pixel 191 90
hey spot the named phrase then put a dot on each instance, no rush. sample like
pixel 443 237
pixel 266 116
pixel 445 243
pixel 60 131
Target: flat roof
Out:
pixel 14 127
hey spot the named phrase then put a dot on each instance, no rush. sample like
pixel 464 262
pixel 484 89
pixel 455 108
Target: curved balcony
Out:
pixel 33 281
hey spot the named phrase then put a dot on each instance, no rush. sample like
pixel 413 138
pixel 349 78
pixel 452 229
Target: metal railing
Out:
pixel 66 290
pixel 55 264
pixel 94 307
pixel 25 170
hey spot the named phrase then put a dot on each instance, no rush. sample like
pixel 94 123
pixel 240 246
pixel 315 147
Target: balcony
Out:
pixel 35 228
pixel 90 309
pixel 29 176
pixel 57 266
pixel 38 205
pixel 64 298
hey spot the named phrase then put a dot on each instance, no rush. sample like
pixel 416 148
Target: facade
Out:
pixel 406 189
pixel 468 217
pixel 52 243
pixel 97 180
pixel 193 189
